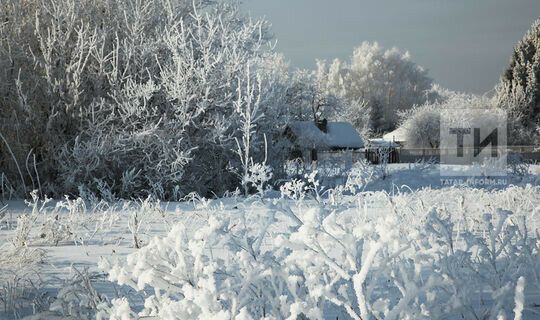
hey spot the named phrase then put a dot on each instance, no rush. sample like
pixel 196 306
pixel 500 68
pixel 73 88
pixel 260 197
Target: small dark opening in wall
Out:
pixel 313 154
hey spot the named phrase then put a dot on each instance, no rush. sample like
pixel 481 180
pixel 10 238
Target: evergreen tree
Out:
pixel 519 88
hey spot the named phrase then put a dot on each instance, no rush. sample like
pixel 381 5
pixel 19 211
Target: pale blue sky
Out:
pixel 465 44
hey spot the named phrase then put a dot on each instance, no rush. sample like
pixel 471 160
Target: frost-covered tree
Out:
pixel 519 88
pixel 422 127
pixel 421 124
pixel 135 96
pixel 60 60
pixel 310 97
pixel 387 80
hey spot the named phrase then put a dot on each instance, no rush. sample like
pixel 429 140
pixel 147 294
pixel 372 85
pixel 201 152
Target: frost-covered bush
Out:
pixel 20 284
pixel 219 272
pixel 422 124
pixel 78 298
pixel 298 189
pixel 379 269
pixel 26 222
pixel 343 252
pixel 259 176
pixel 141 214
pixel 72 220
pixel 418 255
pixel 360 175
pixel 517 165
pixel 21 290
pixel 486 266
pixel 63 221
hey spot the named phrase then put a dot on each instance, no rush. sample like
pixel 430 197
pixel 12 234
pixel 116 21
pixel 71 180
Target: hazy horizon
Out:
pixel 464 44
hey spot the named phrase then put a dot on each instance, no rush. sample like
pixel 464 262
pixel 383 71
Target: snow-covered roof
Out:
pixel 378 143
pixel 344 135
pixel 397 135
pixel 340 135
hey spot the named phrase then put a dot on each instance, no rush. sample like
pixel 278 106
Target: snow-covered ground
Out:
pixel 406 247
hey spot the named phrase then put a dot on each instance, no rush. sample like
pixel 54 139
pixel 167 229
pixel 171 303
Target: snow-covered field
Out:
pixel 406 247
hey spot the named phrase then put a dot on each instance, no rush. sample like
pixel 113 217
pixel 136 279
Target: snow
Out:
pixel 397 135
pixel 306 134
pixel 343 135
pixel 377 143
pixel 340 135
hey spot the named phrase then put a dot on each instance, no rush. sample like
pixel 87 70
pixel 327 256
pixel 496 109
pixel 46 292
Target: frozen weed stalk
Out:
pixel 26 222
pixel 141 214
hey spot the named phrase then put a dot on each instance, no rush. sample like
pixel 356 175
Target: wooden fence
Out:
pixel 374 155
pixel 407 155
